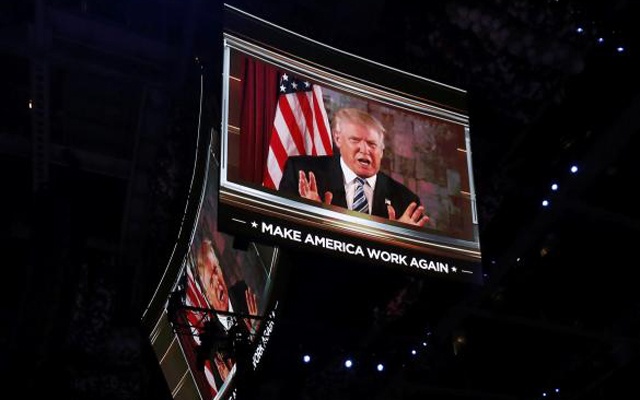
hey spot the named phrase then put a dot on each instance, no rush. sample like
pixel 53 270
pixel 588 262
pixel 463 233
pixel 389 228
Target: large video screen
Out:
pixel 327 151
pixel 219 303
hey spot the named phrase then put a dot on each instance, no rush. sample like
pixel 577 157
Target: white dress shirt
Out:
pixel 349 181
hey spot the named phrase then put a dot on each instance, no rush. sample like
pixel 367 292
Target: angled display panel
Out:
pixel 212 312
pixel 219 301
pixel 285 95
pixel 216 320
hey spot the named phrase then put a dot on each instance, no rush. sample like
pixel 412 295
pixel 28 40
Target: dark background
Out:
pixel 96 176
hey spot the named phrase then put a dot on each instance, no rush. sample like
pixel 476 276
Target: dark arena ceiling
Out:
pixel 551 84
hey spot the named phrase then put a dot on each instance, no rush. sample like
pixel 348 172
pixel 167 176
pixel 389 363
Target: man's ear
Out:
pixel 336 139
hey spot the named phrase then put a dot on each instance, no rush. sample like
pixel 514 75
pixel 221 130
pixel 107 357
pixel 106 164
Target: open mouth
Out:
pixel 364 162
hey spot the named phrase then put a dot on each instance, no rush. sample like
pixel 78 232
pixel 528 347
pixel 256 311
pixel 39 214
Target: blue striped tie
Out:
pixel 360 202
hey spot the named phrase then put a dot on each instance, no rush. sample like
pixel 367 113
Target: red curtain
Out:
pixel 259 100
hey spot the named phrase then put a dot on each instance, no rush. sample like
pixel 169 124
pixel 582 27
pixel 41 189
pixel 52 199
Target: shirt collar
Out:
pixel 226 320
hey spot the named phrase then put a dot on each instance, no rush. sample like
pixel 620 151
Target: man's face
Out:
pixel 213 282
pixel 361 148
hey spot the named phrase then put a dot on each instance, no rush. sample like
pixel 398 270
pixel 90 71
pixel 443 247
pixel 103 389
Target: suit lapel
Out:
pixel 336 182
pixel 381 190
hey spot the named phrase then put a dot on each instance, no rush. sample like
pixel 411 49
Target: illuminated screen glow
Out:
pixel 426 152
pixel 221 292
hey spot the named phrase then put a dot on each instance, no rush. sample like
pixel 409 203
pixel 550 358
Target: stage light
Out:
pixel 424 344
pixel 30 104
pixel 600 40
pixel 574 169
pixel 414 352
pixel 544 251
pixel 554 186
pixel 348 363
pixel 459 343
pixel 380 367
pixel 306 358
pixel 545 203
pixel 544 394
pixel 557 390
pixel 620 49
pixel 580 30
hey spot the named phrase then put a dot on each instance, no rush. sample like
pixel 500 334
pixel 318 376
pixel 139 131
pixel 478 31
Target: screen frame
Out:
pixel 325 65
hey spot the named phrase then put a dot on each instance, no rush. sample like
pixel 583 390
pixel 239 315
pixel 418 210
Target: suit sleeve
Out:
pixel 390 190
pixel 401 197
pixel 408 197
pixel 289 181
pixel 414 197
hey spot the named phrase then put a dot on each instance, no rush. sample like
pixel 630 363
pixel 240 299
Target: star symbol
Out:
pixel 254 224
pixel 294 85
pixel 307 84
pixel 454 269
pixel 285 77
pixel 282 88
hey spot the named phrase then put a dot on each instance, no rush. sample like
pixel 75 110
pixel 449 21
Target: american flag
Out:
pixel 195 298
pixel 210 379
pixel 300 127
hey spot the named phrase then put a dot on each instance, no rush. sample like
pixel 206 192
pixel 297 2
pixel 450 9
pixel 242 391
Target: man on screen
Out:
pixel 220 325
pixel 352 177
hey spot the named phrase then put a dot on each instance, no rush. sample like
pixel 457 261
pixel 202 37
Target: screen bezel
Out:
pixel 325 66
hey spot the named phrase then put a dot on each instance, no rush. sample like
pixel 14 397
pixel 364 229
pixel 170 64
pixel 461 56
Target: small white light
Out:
pixel 557 390
pixel 348 363
pixel 544 394
pixel 545 203
pixel 620 49
pixel 579 30
pixel 306 358
pixel 600 40
pixel 414 352
pixel 554 187
pixel 574 169
pixel 380 367
pixel 30 104
pixel 424 344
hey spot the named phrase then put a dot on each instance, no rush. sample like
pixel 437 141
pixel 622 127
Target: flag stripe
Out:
pixel 291 118
pixel 195 298
pixel 278 149
pixel 305 122
pixel 210 379
pixel 323 129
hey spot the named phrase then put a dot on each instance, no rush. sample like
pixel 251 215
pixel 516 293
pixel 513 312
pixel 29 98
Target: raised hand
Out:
pixel 308 188
pixel 413 215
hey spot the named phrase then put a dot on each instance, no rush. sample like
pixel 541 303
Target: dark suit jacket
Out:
pixel 329 178
pixel 216 338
